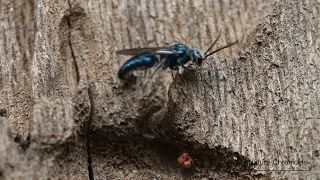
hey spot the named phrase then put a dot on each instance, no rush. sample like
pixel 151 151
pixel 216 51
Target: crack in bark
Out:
pixel 70 44
pixel 88 128
pixel 88 122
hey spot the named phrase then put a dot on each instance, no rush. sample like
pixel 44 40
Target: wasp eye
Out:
pixel 197 53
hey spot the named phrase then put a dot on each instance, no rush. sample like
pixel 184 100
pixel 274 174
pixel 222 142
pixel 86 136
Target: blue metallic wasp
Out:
pixel 163 57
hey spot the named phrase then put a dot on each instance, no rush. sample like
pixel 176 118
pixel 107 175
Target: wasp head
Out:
pixel 197 57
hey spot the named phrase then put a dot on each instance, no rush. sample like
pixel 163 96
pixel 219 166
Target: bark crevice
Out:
pixel 69 22
pixel 88 135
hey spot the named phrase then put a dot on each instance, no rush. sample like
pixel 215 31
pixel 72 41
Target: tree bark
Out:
pixel 251 111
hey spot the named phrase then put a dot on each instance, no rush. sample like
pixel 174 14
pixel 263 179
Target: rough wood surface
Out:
pixel 257 101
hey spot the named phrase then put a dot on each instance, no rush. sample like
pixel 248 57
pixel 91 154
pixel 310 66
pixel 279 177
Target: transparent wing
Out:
pixel 158 66
pixel 148 50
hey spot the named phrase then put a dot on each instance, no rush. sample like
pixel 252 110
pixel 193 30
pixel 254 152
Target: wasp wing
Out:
pixel 158 66
pixel 148 50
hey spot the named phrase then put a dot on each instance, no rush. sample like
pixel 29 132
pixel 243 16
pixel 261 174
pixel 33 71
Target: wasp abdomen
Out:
pixel 137 63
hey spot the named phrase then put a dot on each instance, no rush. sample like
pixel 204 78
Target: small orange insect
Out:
pixel 185 160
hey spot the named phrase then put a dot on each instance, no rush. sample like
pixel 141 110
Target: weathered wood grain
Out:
pixel 258 100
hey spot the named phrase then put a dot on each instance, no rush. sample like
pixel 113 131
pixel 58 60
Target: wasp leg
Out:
pixel 172 74
pixel 189 67
pixel 161 63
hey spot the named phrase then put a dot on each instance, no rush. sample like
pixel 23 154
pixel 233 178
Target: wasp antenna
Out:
pixel 220 49
pixel 214 42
